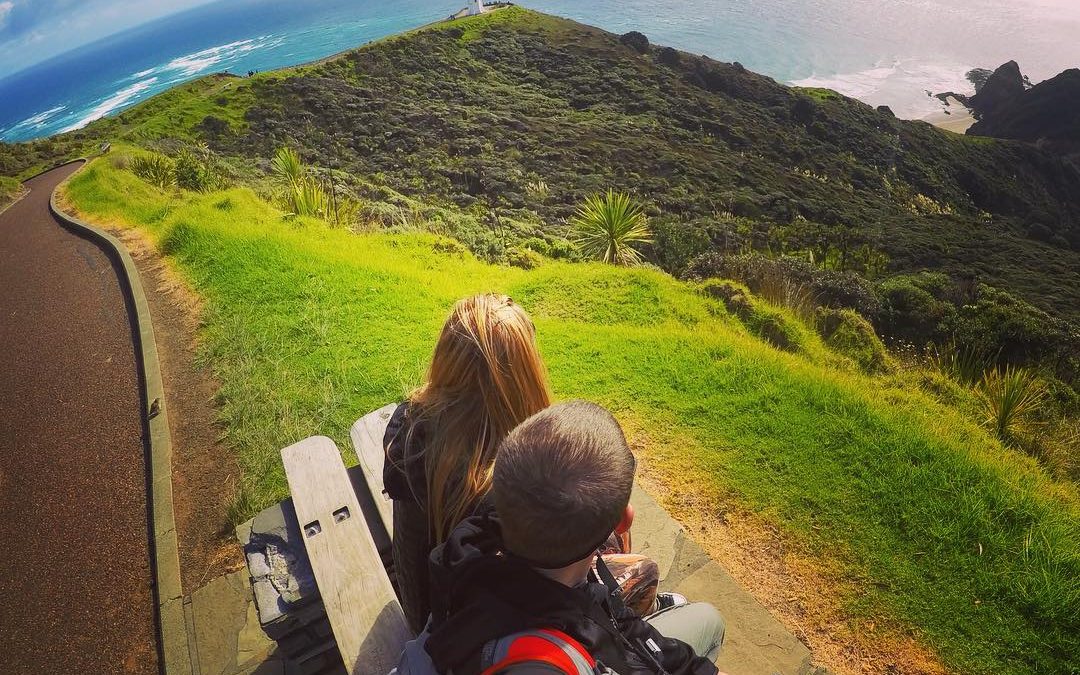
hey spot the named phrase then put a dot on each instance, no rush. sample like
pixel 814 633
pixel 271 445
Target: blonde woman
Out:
pixel 486 377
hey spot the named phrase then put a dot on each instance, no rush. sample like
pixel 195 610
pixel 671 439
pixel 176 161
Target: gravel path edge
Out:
pixel 176 658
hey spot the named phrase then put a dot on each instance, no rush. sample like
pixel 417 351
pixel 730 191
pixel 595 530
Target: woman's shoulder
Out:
pixel 403 467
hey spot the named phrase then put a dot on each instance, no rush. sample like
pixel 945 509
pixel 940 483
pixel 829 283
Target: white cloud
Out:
pixel 5 9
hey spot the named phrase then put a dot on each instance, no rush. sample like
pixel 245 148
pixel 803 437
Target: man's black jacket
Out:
pixel 479 595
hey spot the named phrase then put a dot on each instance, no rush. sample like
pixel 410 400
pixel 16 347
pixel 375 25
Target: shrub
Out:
pixel 1012 397
pixel 849 334
pixel 636 41
pixel 736 297
pixel 914 307
pixel 304 195
pixel 669 57
pixel 792 278
pixel 678 243
pixel 1017 332
pixel 155 169
pixel 767 322
pixel 307 198
pixel 607 226
pixel 384 214
pixel 197 170
pixel 523 258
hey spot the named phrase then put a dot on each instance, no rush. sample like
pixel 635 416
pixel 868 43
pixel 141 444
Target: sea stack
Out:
pixel 1002 88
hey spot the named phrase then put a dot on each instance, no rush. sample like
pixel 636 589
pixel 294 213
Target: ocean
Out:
pixel 884 52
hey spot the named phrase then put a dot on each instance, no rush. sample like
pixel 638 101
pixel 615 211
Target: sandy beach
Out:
pixel 955 117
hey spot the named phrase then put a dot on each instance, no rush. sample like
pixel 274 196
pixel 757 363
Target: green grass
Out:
pixel 819 93
pixel 941 529
pixel 9 189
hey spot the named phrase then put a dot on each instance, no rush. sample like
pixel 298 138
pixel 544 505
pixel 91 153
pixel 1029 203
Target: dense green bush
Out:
pixel 827 288
pixel 523 258
pixel 198 170
pixel 847 333
pixel 978 323
pixel 558 249
pixel 636 41
pixel 1018 333
pixel 916 308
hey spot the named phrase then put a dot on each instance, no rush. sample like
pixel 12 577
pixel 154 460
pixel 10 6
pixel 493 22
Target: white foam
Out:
pixel 117 100
pixel 37 121
pixel 185 67
pixel 903 85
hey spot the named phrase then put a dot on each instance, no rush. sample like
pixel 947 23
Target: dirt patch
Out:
pixel 800 591
pixel 205 472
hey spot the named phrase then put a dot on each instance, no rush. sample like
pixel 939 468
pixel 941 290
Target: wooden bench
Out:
pixel 367 440
pixel 364 613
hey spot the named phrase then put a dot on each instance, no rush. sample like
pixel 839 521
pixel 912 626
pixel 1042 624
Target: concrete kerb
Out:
pixel 172 625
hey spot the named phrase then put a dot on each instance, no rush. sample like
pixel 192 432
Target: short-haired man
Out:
pixel 561 486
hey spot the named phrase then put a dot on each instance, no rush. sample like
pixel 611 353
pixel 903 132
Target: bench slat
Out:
pixel 367 439
pixel 364 613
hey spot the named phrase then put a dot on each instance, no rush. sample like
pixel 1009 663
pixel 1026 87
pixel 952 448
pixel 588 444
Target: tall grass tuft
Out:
pixel 796 296
pixel 155 169
pixel 304 195
pixel 607 226
pixel 964 363
pixel 1013 397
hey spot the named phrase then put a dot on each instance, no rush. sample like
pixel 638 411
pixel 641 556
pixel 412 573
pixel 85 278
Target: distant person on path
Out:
pixel 561 484
pixel 486 377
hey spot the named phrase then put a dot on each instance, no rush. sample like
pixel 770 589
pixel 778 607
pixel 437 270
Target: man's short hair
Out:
pixel 562 482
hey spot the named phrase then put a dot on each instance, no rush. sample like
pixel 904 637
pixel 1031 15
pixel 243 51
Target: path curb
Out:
pixel 172 626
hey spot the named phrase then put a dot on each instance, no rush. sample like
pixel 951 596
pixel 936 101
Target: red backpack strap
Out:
pixel 547 646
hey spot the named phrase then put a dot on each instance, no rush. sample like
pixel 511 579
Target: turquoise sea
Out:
pixel 882 51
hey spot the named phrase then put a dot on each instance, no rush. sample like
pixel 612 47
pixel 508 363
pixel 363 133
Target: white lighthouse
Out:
pixel 476 7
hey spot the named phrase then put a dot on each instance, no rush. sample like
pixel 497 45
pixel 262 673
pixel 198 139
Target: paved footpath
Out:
pixel 75 576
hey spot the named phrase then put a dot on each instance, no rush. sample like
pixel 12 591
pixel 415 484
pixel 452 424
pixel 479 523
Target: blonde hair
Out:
pixel 486 377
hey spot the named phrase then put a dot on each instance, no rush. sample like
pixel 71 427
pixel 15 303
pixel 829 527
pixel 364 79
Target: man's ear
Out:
pixel 627 520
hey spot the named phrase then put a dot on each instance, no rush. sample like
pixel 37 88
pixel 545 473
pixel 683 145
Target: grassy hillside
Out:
pixel 945 533
pixel 512 118
pixel 9 190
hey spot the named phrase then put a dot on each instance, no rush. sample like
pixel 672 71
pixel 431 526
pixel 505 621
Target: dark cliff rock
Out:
pixel 1047 114
pixel 1001 89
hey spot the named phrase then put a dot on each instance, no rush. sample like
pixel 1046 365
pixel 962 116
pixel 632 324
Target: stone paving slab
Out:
pixel 755 643
pixel 225 632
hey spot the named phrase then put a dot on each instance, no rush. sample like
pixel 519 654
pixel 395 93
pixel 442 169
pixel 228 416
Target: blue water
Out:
pixel 882 51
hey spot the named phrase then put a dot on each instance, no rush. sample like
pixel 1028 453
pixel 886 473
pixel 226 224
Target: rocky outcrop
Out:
pixel 1047 114
pixel 1002 88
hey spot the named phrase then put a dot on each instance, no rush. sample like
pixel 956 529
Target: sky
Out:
pixel 32 31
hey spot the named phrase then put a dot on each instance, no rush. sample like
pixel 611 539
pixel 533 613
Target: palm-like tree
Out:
pixel 607 226
pixel 1013 397
pixel 303 194
pixel 287 165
